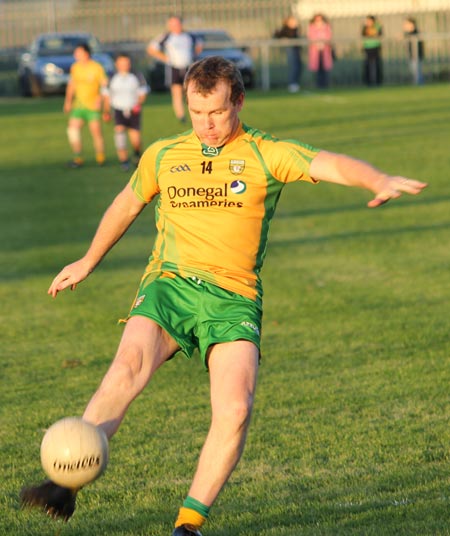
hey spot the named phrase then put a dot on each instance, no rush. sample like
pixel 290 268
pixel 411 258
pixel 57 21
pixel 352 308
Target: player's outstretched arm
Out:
pixel 348 171
pixel 120 215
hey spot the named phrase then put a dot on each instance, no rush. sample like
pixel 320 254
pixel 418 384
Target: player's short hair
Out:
pixel 178 17
pixel 122 55
pixel 206 73
pixel 85 47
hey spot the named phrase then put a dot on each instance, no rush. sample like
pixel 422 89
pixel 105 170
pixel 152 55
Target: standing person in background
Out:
pixel 416 51
pixel 177 49
pixel 320 49
pixel 83 102
pixel 126 93
pixel 371 32
pixel 290 30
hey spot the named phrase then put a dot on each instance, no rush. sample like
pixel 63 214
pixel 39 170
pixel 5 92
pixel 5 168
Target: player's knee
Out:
pixel 120 140
pixel 74 135
pixel 236 414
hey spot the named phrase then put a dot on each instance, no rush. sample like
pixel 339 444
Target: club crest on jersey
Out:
pixel 237 166
pixel 210 151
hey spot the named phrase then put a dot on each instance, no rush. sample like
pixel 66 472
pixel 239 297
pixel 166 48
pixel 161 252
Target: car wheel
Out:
pixel 24 86
pixel 35 87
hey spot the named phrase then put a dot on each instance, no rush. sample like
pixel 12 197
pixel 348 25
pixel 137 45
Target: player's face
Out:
pixel 123 64
pixel 175 25
pixel 80 54
pixel 214 117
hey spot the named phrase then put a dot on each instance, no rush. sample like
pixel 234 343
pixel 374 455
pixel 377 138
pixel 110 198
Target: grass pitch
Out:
pixel 350 434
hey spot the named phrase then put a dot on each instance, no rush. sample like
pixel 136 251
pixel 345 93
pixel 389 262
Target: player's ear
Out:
pixel 240 102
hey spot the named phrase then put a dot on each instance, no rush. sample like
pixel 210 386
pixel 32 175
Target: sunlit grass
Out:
pixel 350 431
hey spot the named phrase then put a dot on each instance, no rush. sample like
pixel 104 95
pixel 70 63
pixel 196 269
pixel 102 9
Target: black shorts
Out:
pixel 128 119
pixel 178 75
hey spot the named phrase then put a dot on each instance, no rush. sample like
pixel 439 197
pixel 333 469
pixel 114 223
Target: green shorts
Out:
pixel 198 314
pixel 85 114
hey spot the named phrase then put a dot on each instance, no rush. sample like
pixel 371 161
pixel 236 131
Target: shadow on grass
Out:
pixel 51 205
pixel 359 234
pixel 50 265
pixel 399 130
pixel 18 106
pixel 405 201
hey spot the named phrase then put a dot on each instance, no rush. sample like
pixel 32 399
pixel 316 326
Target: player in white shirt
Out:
pixel 177 49
pixel 125 94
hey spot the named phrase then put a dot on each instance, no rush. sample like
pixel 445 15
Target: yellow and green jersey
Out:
pixel 215 204
pixel 88 78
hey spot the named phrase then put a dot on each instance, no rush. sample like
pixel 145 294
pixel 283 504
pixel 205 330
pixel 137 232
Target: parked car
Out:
pixel 44 67
pixel 215 42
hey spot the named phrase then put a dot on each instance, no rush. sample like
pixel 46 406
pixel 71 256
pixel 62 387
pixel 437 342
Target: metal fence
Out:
pixel 348 65
pixel 140 20
pixel 130 24
pixel 136 20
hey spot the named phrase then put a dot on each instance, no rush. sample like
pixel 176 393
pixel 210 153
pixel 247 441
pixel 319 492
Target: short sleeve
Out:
pixel 143 182
pixel 290 161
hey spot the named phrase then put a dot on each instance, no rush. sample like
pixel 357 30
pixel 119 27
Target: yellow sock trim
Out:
pixel 100 158
pixel 186 516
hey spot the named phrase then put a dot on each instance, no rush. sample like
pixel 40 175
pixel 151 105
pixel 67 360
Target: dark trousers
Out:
pixel 373 73
pixel 323 76
pixel 294 65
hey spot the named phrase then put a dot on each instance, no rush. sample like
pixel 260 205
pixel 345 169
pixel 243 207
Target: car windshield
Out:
pixel 64 45
pixel 216 39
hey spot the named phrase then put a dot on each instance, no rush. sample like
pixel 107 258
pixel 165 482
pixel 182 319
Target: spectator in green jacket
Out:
pixel 371 33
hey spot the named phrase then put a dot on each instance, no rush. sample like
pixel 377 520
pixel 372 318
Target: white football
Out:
pixel 74 452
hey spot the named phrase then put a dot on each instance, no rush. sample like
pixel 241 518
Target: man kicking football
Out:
pixel 217 186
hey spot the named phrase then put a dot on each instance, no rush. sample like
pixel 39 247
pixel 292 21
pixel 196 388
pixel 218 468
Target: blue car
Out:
pixel 44 68
pixel 220 43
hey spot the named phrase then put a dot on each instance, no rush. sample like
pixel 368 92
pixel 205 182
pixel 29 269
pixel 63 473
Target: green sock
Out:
pixel 199 507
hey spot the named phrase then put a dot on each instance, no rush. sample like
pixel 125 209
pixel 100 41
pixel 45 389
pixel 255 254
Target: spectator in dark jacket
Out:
pixel 290 30
pixel 416 50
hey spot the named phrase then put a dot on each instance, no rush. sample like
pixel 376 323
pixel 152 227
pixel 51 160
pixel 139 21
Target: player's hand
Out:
pixel 136 109
pixel 106 117
pixel 393 187
pixel 69 276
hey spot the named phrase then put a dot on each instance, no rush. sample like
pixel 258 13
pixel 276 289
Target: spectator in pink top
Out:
pixel 320 58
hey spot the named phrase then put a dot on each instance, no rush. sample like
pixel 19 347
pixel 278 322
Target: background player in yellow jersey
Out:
pixel 83 102
pixel 228 176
